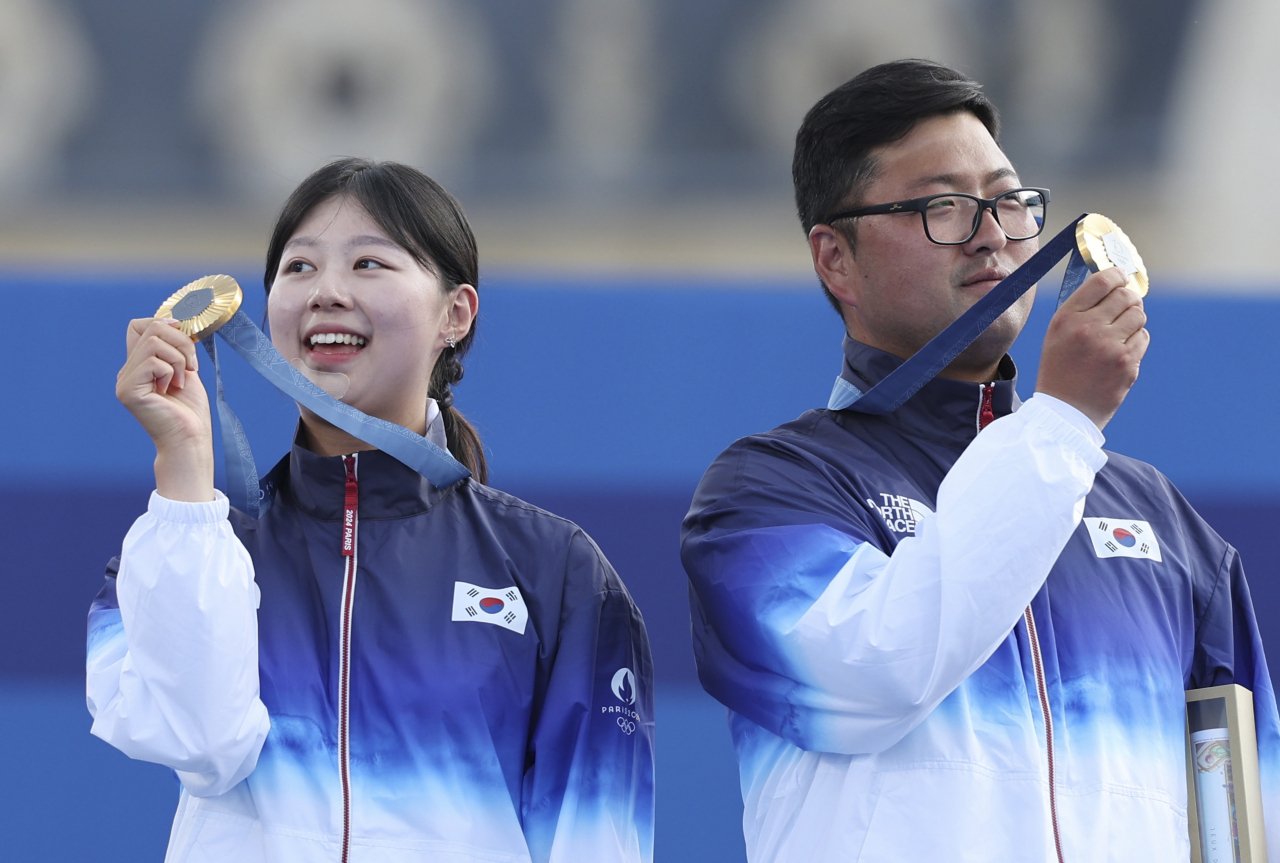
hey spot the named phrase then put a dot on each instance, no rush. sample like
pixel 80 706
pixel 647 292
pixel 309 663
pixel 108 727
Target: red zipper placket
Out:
pixel 350 530
pixel 986 407
pixel 986 413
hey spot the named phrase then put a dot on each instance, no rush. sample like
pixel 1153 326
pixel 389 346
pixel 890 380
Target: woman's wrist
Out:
pixel 185 476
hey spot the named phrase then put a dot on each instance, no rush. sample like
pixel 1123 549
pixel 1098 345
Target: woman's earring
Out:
pixel 450 343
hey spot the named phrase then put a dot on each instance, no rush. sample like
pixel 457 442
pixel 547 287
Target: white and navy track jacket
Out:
pixel 940 644
pixel 378 671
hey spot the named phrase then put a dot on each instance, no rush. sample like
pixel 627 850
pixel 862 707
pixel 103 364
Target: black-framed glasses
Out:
pixel 952 218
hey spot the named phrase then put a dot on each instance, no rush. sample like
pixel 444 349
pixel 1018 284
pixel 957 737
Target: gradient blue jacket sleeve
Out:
pixel 172 665
pixel 810 623
pixel 589 790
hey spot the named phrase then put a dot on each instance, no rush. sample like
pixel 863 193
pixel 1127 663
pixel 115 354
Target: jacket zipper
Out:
pixel 350 525
pixel 986 407
pixel 1042 691
pixel 986 413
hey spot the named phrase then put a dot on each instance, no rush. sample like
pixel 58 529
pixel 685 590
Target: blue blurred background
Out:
pixel 646 295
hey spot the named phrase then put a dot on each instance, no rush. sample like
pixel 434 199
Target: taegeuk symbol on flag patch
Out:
pixel 1123 537
pixel 503 606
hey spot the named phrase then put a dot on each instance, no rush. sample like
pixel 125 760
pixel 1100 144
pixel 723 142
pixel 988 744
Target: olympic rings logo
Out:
pixel 628 727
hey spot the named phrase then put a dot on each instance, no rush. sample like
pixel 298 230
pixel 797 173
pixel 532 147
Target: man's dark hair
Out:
pixel 833 162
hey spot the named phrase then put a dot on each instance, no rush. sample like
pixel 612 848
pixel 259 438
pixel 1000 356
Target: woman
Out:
pixel 319 678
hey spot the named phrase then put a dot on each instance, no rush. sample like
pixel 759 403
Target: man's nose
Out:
pixel 989 236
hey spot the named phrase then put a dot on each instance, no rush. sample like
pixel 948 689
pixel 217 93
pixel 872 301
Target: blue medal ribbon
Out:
pixel 436 464
pixel 902 383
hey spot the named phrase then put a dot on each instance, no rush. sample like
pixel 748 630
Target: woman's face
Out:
pixel 359 316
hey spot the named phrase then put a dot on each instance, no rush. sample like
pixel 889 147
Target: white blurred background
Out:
pixel 611 134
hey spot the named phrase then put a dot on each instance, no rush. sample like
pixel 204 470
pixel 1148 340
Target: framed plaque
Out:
pixel 1224 794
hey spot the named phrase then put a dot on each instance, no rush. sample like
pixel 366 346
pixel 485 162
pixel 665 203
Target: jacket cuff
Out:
pixel 187 512
pixel 1070 415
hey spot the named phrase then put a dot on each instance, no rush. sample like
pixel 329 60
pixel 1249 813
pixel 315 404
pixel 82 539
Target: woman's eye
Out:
pixel 367 264
pixel 297 267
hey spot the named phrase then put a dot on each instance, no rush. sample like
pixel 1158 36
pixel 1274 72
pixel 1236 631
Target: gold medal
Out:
pixel 202 306
pixel 1102 244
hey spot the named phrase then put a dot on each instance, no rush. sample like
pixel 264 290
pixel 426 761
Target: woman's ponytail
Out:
pixel 464 440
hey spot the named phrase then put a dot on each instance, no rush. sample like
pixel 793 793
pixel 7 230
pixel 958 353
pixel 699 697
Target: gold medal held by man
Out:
pixel 1102 244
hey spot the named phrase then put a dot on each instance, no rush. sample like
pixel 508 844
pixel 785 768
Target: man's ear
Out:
pixel 833 261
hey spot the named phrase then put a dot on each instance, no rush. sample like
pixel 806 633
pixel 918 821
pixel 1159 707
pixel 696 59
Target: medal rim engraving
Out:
pixel 1090 234
pixel 226 301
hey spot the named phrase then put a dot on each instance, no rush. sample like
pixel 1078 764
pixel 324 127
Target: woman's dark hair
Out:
pixel 833 163
pixel 420 216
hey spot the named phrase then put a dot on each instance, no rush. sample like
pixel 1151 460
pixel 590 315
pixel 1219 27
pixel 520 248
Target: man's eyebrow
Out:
pixel 955 179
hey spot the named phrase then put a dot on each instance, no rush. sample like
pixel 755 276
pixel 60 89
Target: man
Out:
pixel 959 630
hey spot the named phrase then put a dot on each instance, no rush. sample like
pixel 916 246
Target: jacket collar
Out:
pixel 942 408
pixel 316 484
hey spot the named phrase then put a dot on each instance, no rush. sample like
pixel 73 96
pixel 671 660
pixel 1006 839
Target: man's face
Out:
pixel 903 289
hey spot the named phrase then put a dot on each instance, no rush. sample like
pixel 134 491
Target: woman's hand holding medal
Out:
pixel 160 387
pixel 158 384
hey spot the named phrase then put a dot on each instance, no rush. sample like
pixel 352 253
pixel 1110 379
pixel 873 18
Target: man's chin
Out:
pixel 981 360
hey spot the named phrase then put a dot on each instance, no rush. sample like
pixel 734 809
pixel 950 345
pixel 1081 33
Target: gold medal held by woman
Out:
pixel 202 306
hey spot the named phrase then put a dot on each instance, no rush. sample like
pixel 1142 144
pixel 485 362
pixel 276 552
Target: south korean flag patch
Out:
pixel 1123 537
pixel 502 607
